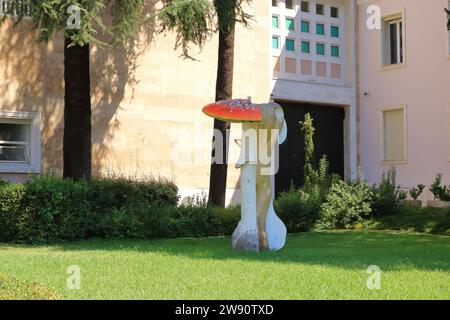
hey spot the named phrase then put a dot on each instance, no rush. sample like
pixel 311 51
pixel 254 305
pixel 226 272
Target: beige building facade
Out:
pixel 379 97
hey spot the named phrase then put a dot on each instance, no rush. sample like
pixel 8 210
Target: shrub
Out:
pixel 345 204
pixel 48 209
pixel 10 209
pixel 416 191
pixel 316 179
pixel 298 210
pixel 440 192
pixel 425 220
pixel 53 209
pixel 387 196
pixel 223 221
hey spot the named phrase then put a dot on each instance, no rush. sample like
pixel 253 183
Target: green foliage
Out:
pixel 298 210
pixel 120 20
pixel 308 129
pixel 387 196
pixel 192 21
pixel 128 18
pixel 10 210
pixel 409 219
pixel 345 204
pixel 15 289
pixel 231 11
pixel 317 181
pixel 416 191
pixel 439 191
pixel 48 208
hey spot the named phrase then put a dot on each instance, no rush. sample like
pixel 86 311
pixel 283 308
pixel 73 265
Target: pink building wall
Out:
pixel 422 85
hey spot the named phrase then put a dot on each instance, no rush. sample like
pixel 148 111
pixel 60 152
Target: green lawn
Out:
pixel 323 265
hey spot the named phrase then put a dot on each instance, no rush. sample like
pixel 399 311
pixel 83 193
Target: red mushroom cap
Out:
pixel 237 110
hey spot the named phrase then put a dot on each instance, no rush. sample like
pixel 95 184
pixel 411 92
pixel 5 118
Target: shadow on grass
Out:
pixel 346 249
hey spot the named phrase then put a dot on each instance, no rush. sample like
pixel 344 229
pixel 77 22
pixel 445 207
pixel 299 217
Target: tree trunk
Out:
pixel 77 112
pixel 224 90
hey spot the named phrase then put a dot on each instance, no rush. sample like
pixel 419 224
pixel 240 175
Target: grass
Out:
pixel 15 289
pixel 426 220
pixel 322 265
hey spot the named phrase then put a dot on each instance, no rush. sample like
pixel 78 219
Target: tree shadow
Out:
pixel 32 79
pixel 346 249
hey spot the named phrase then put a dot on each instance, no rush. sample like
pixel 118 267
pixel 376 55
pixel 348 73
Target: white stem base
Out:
pixel 245 237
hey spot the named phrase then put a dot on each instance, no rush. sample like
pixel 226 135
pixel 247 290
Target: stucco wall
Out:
pixel 146 106
pixel 422 85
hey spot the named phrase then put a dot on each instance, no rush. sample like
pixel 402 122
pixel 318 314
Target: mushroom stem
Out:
pixel 245 237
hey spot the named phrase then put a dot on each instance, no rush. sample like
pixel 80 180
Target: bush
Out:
pixel 440 192
pixel 50 209
pixel 10 210
pixel 387 196
pixel 424 220
pixel 298 210
pixel 345 204
pixel 416 191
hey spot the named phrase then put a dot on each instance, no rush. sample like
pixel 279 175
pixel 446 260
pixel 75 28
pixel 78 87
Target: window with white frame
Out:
pixel 393 41
pixel 394 139
pixel 20 142
pixel 15 141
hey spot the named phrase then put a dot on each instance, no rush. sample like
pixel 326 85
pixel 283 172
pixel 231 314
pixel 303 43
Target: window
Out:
pixel 289 4
pixel 14 142
pixel 320 49
pixel 290 24
pixel 305 26
pixel 393 41
pixel 274 3
pixel 305 6
pixel 320 29
pixel 319 9
pixel 20 142
pixel 306 47
pixel 290 45
pixel 335 51
pixel 334 31
pixel 394 135
pixel 275 43
pixel 275 22
pixel 290 65
pixel 334 12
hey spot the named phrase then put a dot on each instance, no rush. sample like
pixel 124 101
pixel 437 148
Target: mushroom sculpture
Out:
pixel 263 129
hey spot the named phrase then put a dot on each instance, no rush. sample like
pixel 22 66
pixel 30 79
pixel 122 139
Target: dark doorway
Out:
pixel 328 139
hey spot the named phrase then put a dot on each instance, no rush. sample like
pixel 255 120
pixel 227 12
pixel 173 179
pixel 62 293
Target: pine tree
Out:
pixel 83 23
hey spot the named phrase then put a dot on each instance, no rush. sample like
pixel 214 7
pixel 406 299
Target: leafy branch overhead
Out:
pixel 52 16
pixel 194 21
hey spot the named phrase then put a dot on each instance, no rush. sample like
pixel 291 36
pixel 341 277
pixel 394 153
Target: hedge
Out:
pixel 50 209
